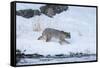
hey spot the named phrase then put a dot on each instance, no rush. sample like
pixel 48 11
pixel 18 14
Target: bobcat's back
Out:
pixel 54 33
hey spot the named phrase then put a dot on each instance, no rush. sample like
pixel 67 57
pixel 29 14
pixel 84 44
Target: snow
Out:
pixel 21 6
pixel 79 21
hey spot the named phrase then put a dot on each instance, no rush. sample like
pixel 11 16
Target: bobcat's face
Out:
pixel 68 35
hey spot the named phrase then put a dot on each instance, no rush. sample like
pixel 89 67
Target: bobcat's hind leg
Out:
pixel 39 37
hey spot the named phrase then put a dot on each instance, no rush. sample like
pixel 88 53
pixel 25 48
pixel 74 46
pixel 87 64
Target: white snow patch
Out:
pixel 79 21
pixel 21 6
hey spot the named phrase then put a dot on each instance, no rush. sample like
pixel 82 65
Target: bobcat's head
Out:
pixel 67 34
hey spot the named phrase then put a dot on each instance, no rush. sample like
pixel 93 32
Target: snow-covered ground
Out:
pixel 79 21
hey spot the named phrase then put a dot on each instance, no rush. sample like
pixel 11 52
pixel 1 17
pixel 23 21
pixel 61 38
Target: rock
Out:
pixel 28 13
pixel 33 55
pixel 37 55
pixel 48 10
pixel 52 10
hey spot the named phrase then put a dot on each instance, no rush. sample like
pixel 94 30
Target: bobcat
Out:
pixel 50 33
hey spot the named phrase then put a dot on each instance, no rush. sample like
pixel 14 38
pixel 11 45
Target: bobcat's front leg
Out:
pixel 66 42
pixel 63 40
pixel 60 42
pixel 48 38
